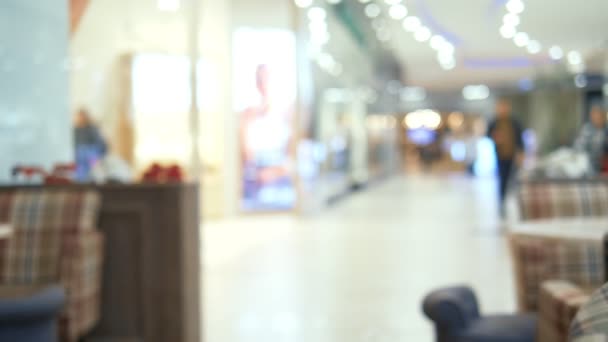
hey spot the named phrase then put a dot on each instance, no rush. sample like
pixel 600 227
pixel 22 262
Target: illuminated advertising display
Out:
pixel 264 99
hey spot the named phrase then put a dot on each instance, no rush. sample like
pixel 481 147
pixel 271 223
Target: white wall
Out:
pixel 108 30
pixel 216 110
pixel 35 126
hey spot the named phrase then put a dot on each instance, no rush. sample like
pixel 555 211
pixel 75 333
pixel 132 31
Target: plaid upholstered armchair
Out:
pixel 55 242
pixel 555 278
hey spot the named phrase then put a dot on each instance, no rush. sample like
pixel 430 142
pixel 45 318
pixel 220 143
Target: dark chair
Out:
pixel 455 313
pixel 31 318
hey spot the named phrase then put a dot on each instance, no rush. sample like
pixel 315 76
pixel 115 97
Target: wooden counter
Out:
pixel 151 276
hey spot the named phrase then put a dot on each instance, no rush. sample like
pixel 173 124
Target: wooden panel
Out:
pixel 162 220
pixel 192 261
pixel 124 231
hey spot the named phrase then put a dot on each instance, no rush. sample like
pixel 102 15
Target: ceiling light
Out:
pixel 392 2
pixel 317 14
pixel 437 41
pixel 511 19
pixel 168 5
pixel 422 34
pixel 334 2
pixel 476 92
pixel 433 119
pixel 575 58
pixel 317 27
pixel 448 65
pixel 447 48
pixel 413 121
pixel 372 10
pixel 398 12
pixel 303 3
pixel 556 53
pixel 521 39
pixel 534 47
pixel 445 60
pixel 364 1
pixel 515 6
pixel 580 81
pixel 413 94
pixel 508 32
pixel 319 38
pixel 426 118
pixel 411 24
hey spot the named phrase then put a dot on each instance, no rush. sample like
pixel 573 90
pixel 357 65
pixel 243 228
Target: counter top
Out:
pixel 575 228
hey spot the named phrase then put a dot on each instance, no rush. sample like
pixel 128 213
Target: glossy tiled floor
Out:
pixel 358 271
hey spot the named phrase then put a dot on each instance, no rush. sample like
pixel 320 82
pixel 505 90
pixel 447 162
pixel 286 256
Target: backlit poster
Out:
pixel 264 99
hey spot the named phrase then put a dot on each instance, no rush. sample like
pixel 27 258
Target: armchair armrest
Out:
pixel 451 308
pixel 558 303
pixel 33 306
pixel 31 315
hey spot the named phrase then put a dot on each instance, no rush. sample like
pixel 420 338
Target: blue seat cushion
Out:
pixel 502 328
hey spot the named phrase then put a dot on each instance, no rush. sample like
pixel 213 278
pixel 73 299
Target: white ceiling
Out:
pixel 580 25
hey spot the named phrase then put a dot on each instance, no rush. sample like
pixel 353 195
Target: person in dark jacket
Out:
pixel 506 133
pixel 89 144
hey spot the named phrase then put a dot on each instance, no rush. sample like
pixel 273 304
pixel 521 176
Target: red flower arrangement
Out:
pixel 157 173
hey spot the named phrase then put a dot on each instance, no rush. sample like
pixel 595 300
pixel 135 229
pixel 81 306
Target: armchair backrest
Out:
pixel 66 210
pixel 43 220
pixel 555 199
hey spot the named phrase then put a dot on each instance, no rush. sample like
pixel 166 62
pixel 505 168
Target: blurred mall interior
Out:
pixel 303 170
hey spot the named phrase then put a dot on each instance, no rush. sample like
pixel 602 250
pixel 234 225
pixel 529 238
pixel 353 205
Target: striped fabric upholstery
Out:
pixel 559 301
pixel 563 199
pixel 54 241
pixel 538 259
pixel 81 276
pixel 592 338
pixel 591 321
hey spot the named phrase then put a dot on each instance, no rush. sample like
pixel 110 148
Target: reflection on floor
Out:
pixel 358 271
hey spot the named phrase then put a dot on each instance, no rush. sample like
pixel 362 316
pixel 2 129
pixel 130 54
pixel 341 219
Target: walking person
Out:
pixel 506 133
pixel 592 138
pixel 89 144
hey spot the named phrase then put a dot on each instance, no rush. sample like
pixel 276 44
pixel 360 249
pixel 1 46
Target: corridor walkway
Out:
pixel 358 271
